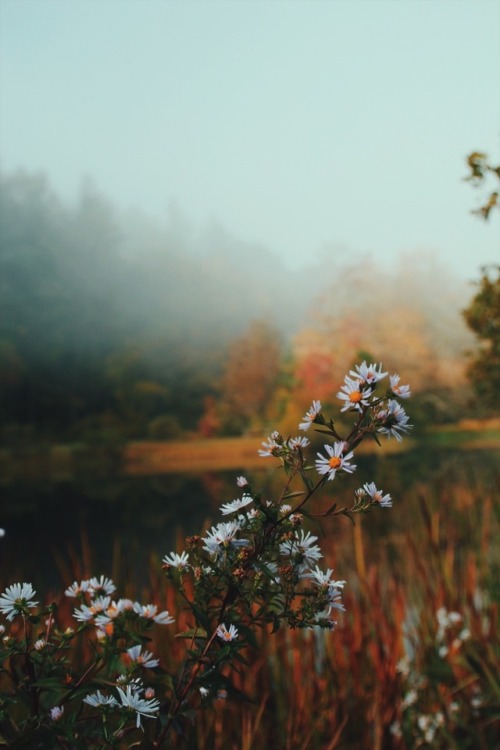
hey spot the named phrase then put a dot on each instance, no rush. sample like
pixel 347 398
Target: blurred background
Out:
pixel 209 212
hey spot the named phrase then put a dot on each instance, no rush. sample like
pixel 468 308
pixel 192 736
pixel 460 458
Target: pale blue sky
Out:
pixel 311 127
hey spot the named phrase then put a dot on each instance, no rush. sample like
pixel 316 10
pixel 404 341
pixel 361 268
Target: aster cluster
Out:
pixel 110 617
pixel 259 566
pixel 117 630
pixel 282 578
pixel 17 600
pixel 132 699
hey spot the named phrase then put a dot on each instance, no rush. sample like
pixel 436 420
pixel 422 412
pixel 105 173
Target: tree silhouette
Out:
pixel 483 318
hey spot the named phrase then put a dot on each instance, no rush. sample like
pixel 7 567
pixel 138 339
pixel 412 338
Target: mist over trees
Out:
pixel 112 324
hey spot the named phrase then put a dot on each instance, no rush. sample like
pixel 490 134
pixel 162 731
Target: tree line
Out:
pixel 111 329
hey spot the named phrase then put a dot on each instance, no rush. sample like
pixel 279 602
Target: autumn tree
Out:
pixel 250 375
pixel 483 318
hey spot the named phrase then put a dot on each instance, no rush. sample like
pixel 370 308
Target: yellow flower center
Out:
pixel 334 462
pixel 355 397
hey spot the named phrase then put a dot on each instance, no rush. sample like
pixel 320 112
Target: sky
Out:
pixel 319 129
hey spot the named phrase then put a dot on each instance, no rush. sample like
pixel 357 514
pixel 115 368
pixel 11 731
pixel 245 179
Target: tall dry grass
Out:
pixel 386 675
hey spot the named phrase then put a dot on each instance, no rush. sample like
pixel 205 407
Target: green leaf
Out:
pixel 297 493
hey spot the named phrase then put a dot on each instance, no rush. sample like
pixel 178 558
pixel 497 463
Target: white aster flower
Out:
pixel 242 481
pixel 410 698
pixel 334 594
pixel 177 561
pixel 98 607
pixel 98 700
pixel 17 599
pixel 298 442
pixel 227 634
pixel 377 496
pixel 143 658
pixel 222 536
pixel 323 580
pixel 101 586
pixel 402 391
pixel 285 508
pixel 324 619
pixel 394 420
pixel 235 505
pixel 270 446
pixel 102 622
pixel 310 415
pixel 114 610
pixel 77 588
pixel 354 395
pixel 303 547
pixel 150 612
pixel 135 682
pixel 447 619
pixel 403 666
pixel 56 713
pixel 368 373
pixel 40 644
pixel 335 461
pixel 130 698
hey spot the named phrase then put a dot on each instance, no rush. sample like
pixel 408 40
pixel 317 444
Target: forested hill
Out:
pixel 92 300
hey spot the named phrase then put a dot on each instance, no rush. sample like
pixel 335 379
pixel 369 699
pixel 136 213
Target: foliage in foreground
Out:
pixel 257 570
pixel 423 674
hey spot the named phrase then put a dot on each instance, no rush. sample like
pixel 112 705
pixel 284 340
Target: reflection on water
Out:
pixel 57 530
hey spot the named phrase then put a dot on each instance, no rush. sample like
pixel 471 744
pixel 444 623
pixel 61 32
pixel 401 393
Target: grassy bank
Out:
pixel 215 454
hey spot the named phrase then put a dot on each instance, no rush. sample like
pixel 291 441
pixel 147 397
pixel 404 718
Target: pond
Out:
pixel 58 529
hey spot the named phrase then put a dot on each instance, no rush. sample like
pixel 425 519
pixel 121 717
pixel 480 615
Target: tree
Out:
pixel 250 375
pixel 483 318
pixel 480 173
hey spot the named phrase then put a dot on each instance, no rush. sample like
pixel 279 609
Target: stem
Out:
pixel 185 691
pixel 35 692
pixel 68 694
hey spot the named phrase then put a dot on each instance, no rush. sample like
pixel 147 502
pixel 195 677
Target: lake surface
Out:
pixel 58 529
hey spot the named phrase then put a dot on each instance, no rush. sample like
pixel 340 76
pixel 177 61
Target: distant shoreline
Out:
pixel 147 457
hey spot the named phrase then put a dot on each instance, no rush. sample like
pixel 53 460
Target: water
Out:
pixel 58 529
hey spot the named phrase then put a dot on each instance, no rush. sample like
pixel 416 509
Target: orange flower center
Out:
pixel 355 397
pixel 334 462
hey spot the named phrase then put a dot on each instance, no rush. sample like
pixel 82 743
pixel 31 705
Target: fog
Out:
pixel 90 288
